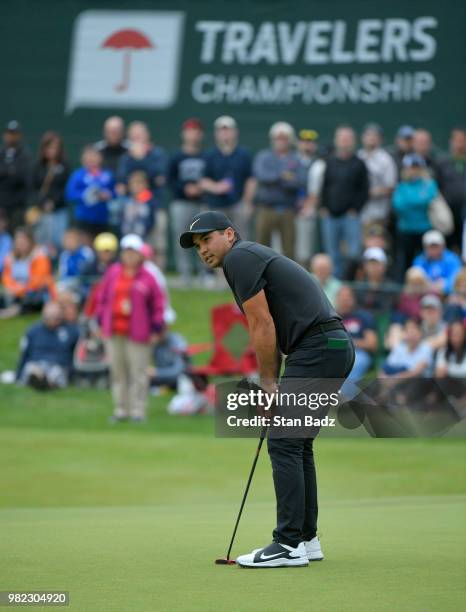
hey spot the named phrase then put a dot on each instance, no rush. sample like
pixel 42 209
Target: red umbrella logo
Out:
pixel 128 40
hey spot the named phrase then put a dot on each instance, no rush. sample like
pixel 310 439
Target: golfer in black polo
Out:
pixel 287 313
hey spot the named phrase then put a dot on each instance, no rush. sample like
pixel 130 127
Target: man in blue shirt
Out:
pixel 227 182
pixel 440 264
pixel 361 326
pixel 47 350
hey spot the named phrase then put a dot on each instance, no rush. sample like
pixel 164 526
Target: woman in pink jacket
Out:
pixel 130 312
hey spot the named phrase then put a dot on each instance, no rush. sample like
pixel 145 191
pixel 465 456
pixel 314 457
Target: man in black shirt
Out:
pixel 345 190
pixel 287 313
pixel 15 169
pixel 452 182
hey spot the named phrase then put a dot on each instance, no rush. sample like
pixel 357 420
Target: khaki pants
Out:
pixel 130 383
pixel 268 221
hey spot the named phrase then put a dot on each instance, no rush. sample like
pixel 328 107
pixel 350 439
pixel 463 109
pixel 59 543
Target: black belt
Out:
pixel 320 328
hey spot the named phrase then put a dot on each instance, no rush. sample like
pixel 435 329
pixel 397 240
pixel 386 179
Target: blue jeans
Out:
pixel 334 231
pixel 362 363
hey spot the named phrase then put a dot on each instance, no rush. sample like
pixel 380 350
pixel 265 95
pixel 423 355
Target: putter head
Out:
pixel 225 561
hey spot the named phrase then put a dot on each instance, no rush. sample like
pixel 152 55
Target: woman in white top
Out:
pixel 451 361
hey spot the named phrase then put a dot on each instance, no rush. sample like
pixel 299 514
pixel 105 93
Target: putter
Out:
pixel 226 560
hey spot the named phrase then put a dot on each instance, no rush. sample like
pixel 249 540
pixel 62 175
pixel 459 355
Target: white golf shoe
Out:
pixel 313 550
pixel 275 555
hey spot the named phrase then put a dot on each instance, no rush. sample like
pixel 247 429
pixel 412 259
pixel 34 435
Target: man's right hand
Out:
pixel 223 187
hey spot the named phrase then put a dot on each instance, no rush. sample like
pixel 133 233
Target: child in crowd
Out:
pixel 27 276
pixel 73 259
pixel 90 188
pixel 412 357
pixel 106 249
pixel 138 207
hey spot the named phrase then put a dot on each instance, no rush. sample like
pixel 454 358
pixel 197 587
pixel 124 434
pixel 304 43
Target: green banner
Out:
pixel 67 65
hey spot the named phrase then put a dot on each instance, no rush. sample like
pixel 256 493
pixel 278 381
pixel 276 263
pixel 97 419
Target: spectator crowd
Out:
pixel 382 229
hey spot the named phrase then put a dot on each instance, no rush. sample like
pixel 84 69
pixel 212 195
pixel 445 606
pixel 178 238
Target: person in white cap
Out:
pixel 280 176
pixel 434 328
pixel 377 293
pixel 440 264
pixel 130 312
pixel 227 182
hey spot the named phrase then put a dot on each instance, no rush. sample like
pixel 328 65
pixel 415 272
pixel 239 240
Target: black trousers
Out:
pixel 408 245
pixel 294 472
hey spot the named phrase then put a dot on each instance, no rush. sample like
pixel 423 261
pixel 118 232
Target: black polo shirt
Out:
pixel 296 300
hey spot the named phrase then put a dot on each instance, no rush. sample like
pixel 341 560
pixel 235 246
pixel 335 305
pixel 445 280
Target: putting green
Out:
pixel 132 521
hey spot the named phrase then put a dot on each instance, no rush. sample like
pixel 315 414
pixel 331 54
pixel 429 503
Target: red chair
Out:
pixel 232 351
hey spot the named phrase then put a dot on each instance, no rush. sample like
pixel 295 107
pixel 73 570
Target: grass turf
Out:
pixel 131 518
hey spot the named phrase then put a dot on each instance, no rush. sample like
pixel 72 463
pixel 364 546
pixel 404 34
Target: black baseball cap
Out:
pixel 202 223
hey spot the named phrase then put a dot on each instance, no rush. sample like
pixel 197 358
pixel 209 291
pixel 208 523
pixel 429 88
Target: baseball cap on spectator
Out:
pixel 405 131
pixel 192 124
pixel 282 127
pixel 308 135
pixel 106 242
pixel 225 121
pixel 431 301
pixel 433 237
pixel 413 160
pixel 133 242
pixel 13 126
pixel 375 254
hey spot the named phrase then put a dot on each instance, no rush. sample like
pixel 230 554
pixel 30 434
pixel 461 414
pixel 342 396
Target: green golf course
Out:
pixel 131 517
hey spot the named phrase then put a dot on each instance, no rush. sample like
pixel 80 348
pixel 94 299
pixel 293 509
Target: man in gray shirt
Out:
pixel 280 175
